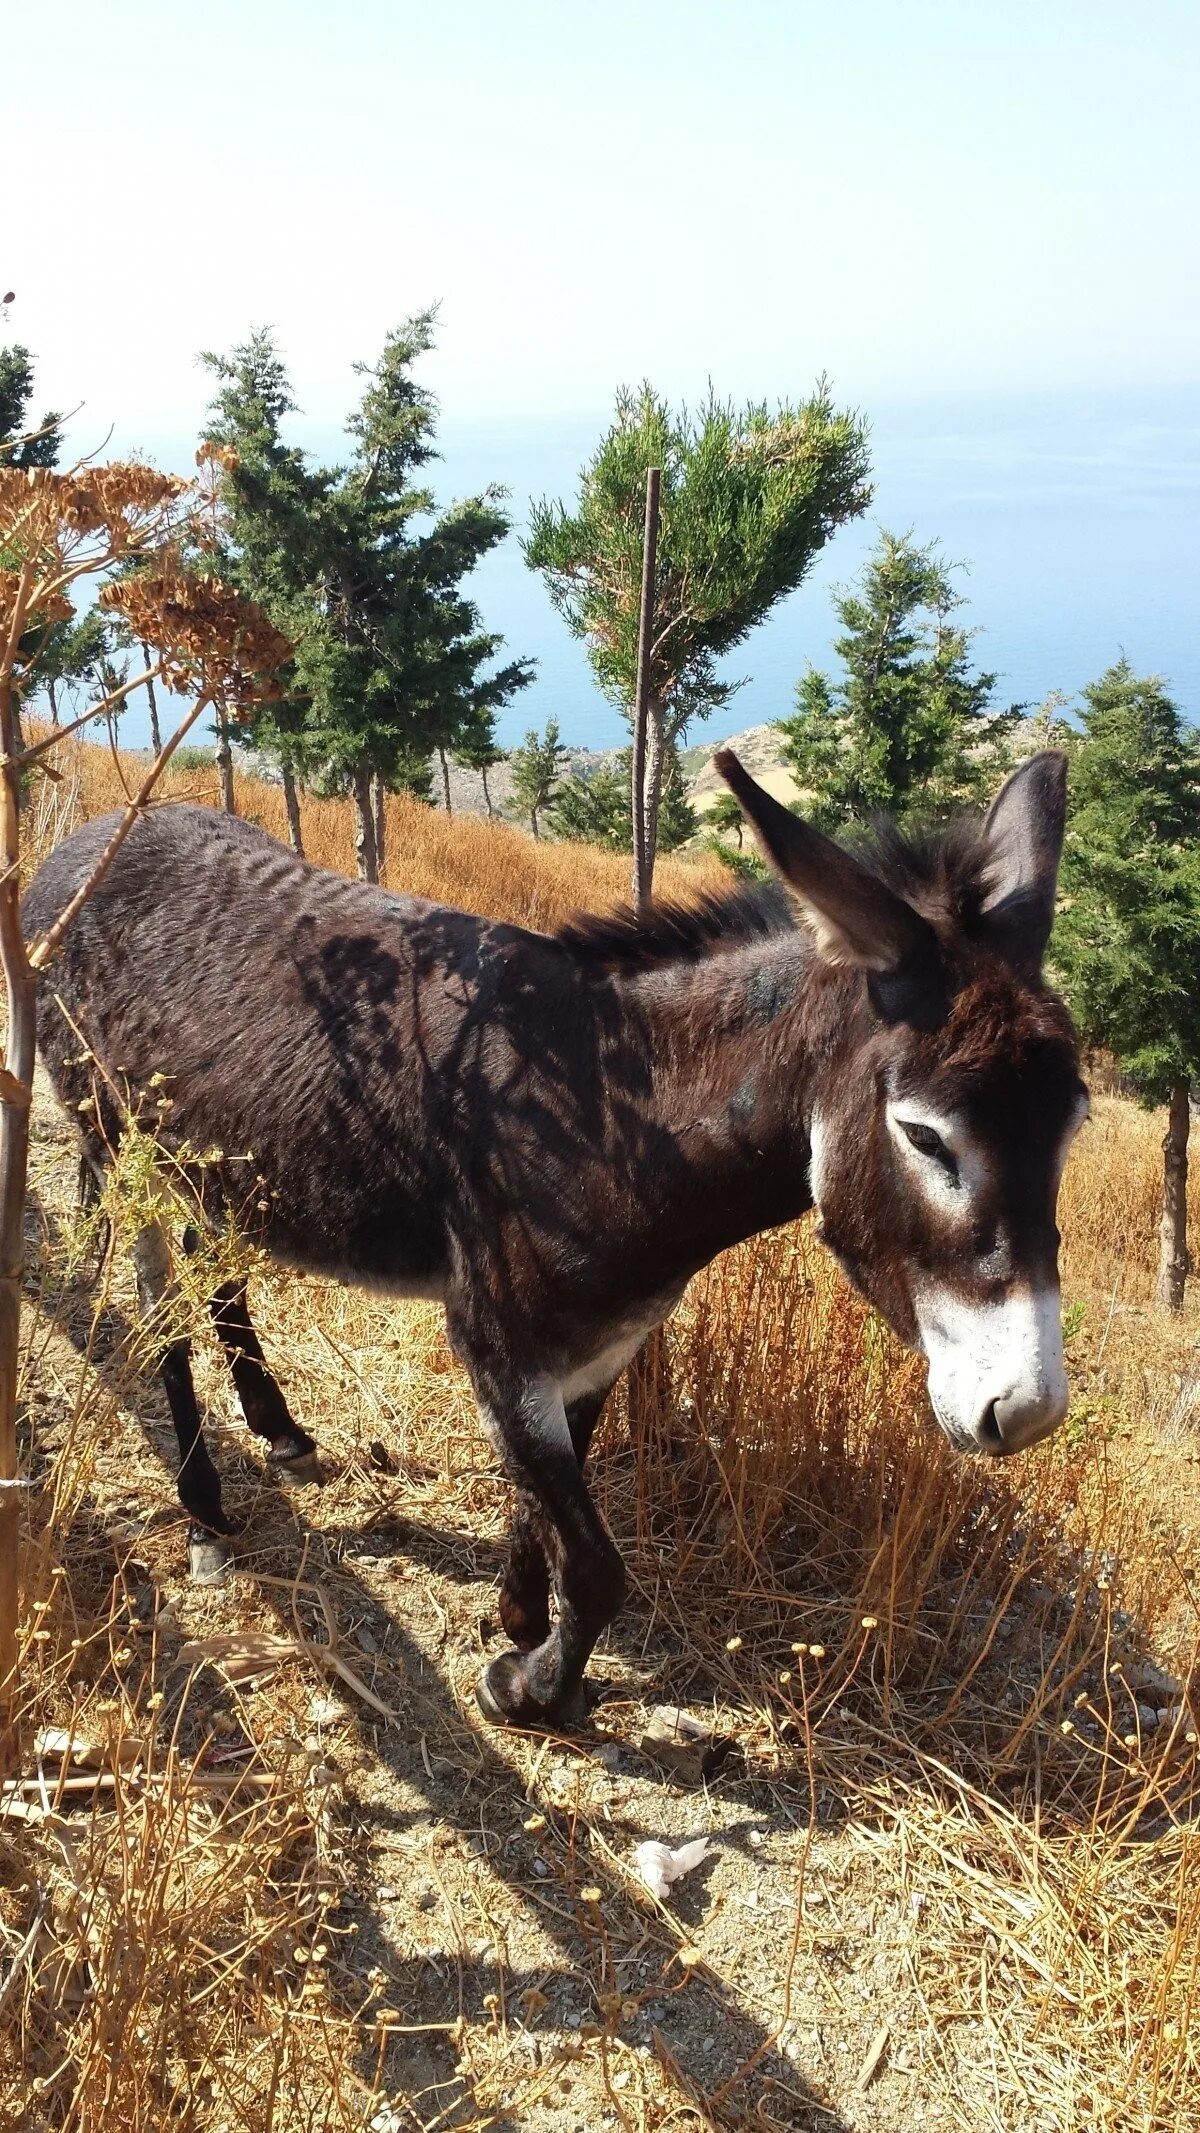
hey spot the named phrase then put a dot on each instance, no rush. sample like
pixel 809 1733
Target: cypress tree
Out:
pixel 908 727
pixel 597 809
pixel 23 442
pixel 536 772
pixel 477 748
pixel 749 496
pixel 1127 940
pixel 357 566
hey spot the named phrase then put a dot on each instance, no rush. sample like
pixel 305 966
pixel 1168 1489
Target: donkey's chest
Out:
pixel 595 1360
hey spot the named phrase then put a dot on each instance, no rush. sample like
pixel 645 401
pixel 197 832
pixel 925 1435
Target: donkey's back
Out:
pixel 237 999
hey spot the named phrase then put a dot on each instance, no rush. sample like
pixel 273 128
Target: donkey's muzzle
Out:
pixel 1014 1423
pixel 997 1379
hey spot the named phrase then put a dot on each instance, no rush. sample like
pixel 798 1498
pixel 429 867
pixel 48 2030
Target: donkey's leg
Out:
pixel 292 1451
pixel 199 1483
pixel 544 1686
pixel 525 1593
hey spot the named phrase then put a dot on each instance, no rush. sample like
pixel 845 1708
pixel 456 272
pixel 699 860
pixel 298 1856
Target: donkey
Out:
pixel 552 1133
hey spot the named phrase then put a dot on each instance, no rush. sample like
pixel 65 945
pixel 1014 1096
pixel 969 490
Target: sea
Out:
pixel 1075 518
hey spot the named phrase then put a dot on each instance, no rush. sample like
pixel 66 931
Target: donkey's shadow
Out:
pixel 475 1777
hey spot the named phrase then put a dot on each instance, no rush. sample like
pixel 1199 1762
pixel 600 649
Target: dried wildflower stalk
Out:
pixel 212 645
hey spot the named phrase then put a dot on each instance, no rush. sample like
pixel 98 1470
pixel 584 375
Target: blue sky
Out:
pixel 951 209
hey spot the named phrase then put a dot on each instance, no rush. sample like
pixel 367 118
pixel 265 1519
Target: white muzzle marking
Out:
pixel 997 1379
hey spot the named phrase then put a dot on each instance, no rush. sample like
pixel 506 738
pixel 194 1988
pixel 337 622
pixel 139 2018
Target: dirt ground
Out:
pixel 486 1950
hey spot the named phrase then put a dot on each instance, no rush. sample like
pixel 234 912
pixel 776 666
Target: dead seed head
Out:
pixel 213 639
pixel 224 456
pixel 44 609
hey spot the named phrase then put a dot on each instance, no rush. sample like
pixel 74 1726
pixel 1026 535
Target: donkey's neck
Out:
pixel 734 1067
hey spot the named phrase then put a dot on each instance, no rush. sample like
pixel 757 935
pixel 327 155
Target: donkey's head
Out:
pixel 947 1090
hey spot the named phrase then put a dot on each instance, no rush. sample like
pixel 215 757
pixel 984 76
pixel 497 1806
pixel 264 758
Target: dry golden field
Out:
pixel 292 1881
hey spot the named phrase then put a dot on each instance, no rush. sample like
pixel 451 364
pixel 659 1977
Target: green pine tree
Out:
pixel 536 772
pixel 1127 940
pixel 275 506
pixel 69 655
pixel 355 564
pixel 726 819
pixel 24 441
pixel 749 497
pixel 598 808
pixel 477 748
pixel 27 442
pixel 907 728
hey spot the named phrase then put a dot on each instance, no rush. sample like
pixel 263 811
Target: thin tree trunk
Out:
pixel 643 850
pixel 1174 1262
pixel 155 735
pixel 52 693
pixel 486 794
pixel 19 985
pixel 533 821
pixel 656 759
pixel 291 800
pixel 15 726
pixel 225 765
pixel 364 841
pixel 445 778
pixel 379 802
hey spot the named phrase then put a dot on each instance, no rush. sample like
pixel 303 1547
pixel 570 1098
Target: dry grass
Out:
pixel 490 867
pixel 956 1877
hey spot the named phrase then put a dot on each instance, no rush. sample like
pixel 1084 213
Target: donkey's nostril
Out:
pixel 988 1434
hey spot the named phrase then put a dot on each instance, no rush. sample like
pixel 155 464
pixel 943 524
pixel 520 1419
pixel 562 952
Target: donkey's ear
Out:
pixel 1023 839
pixel 853 917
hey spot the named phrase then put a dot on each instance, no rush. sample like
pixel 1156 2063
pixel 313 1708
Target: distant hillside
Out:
pixel 759 748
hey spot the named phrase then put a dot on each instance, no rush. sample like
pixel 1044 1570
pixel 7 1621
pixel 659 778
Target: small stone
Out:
pixel 1147 1717
pixel 682 1744
pixel 541 1869
pixel 1154 1679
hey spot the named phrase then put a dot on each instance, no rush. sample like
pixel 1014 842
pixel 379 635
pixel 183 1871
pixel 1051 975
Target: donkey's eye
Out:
pixel 927 1142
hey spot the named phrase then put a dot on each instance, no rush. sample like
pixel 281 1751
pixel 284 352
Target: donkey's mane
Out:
pixel 943 873
pixel 677 933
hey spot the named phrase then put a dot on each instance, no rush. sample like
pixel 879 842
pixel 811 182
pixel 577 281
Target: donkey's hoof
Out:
pixel 524 1627
pixel 504 1697
pixel 209 1556
pixel 297 1468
